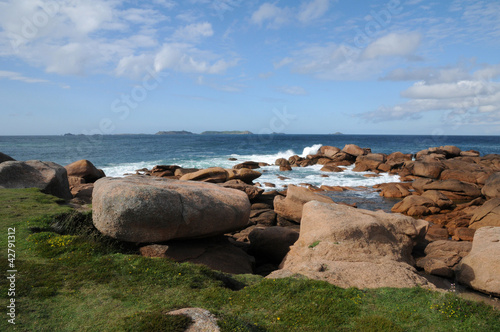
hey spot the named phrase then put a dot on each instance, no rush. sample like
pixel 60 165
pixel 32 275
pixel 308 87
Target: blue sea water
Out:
pixel 121 154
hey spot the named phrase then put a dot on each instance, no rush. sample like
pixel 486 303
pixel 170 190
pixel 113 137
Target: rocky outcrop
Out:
pixel 430 170
pixel 247 164
pixel 329 151
pixel 81 176
pixel 203 320
pixel 370 162
pixel 415 206
pixel 441 257
pixel 455 189
pixel 4 157
pixel 266 217
pixel 394 190
pixel 251 191
pixel 84 169
pixel 221 175
pixel 330 167
pixel 290 207
pixel 487 215
pixel 145 209
pixel 47 176
pixel 481 268
pixel 356 248
pixel 212 175
pixel 216 253
pixel 164 171
pixel 272 243
pixel 491 187
pixel 354 150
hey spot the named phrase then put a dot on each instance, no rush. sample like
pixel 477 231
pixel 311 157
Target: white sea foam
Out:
pixel 311 175
pixel 311 150
pixel 120 170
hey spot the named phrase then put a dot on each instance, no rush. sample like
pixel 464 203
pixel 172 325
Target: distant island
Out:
pixel 233 132
pixel 337 133
pixel 182 132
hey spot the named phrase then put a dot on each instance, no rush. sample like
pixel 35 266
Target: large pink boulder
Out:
pixel 481 268
pixel 145 209
pixel 352 247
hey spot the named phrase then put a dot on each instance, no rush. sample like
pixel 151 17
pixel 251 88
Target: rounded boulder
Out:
pixel 143 209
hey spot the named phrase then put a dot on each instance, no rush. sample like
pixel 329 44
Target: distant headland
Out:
pixel 233 132
pixel 181 132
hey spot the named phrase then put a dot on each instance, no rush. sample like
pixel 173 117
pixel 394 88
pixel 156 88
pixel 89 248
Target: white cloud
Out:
pixel 14 76
pixel 134 66
pixel 393 44
pixel 166 3
pixel 185 58
pixel 272 14
pixel 87 16
pixel 276 17
pixel 313 10
pixel 461 89
pixel 194 31
pixel 292 90
pixel 429 75
pixel 77 37
pixel 470 101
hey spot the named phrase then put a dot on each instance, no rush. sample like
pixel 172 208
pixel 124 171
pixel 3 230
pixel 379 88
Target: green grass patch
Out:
pixel 314 244
pixel 71 278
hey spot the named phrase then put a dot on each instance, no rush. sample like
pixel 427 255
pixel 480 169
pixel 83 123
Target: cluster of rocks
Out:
pixel 218 217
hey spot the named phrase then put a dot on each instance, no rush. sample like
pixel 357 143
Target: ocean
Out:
pixel 121 154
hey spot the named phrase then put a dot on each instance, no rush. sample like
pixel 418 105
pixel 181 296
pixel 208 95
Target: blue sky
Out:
pixel 311 66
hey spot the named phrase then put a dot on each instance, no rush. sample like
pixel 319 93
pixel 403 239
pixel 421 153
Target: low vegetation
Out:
pixel 71 278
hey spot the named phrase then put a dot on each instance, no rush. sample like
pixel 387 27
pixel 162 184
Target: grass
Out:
pixel 71 278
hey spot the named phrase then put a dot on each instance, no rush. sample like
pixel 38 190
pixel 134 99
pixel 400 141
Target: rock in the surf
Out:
pixel 144 209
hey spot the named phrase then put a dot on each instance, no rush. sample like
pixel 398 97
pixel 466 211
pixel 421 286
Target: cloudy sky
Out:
pixel 309 66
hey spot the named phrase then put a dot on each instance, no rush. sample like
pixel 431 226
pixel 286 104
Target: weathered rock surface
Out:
pixel 491 187
pixel 164 170
pixel 203 320
pixel 251 191
pixel 427 170
pixel 487 215
pixel 455 189
pixel 244 174
pixel 221 175
pixel 290 207
pixel 356 248
pixel 272 243
pixel 212 174
pixel 247 164
pixel 144 209
pixel 394 190
pixel 81 176
pixel 442 256
pixel 47 176
pixel 265 217
pixel 481 268
pixel 354 150
pixel 329 151
pixel 4 157
pixel 216 253
pixel 414 206
pixel 331 168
